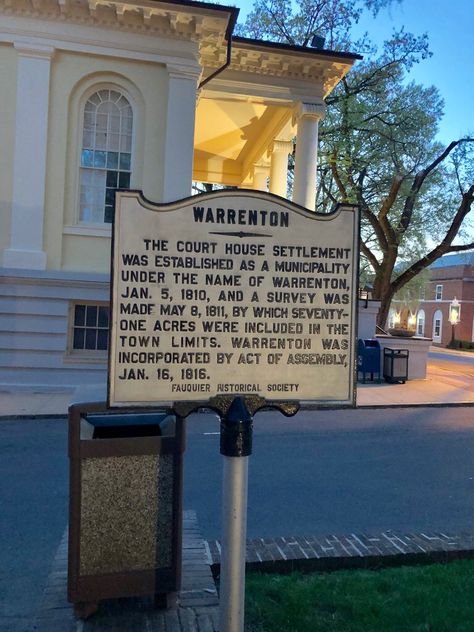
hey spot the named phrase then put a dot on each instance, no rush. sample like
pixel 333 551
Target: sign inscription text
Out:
pixel 231 292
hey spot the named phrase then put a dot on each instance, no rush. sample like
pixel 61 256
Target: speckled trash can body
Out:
pixel 125 508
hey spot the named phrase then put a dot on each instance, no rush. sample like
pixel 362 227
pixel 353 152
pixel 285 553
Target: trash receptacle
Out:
pixel 125 507
pixel 395 365
pixel 368 358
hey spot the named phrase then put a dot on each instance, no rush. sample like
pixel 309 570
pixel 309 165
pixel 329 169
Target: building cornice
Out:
pixel 202 24
pixel 289 63
pixel 205 25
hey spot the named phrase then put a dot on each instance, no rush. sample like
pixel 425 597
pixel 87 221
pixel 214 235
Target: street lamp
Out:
pixel 454 316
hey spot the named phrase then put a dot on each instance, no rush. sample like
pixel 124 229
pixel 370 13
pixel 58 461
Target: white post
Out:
pixel 179 141
pixel 260 176
pixel 234 535
pixel 279 167
pixel 308 116
pixel 29 161
pixel 236 447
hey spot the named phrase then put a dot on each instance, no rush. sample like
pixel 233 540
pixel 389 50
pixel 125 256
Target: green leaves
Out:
pixel 378 143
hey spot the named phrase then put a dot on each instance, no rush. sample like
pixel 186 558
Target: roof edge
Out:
pixel 197 4
pixel 296 49
pixel 202 5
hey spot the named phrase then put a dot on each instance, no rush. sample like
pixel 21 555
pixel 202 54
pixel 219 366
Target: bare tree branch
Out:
pixel 418 181
pixel 280 25
pixel 337 178
pixel 389 232
pixel 444 247
pixel 365 209
pixel 365 250
pixel 328 191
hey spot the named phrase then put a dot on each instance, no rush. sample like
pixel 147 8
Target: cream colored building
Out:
pixel 142 94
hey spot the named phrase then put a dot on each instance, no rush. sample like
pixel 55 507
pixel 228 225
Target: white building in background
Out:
pixel 149 95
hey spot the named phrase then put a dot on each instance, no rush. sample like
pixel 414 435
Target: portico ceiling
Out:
pixel 232 134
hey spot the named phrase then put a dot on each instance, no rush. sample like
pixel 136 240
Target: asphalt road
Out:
pixel 344 471
pixel 463 364
pixel 320 472
pixel 33 502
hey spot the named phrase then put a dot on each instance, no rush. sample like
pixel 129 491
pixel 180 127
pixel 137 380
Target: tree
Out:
pixel 378 147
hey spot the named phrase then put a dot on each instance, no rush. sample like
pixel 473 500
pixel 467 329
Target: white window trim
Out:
pixel 89 230
pixel 440 285
pixel 391 318
pixel 420 317
pixel 83 355
pixel 438 315
pixel 84 99
pixel 79 96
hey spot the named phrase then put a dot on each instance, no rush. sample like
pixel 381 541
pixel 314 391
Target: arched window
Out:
pixel 437 325
pixel 420 323
pixel 106 154
pixel 391 318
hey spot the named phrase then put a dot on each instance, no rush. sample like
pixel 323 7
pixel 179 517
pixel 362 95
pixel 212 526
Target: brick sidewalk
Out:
pixel 196 609
pixel 197 605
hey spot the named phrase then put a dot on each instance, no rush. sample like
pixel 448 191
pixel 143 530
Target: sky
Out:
pixel 450 28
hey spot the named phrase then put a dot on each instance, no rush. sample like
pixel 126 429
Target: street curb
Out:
pixel 418 405
pixel 33 417
pixel 309 407
pixel 355 551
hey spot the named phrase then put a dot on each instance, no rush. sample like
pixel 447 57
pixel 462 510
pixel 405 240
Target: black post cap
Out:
pixel 237 429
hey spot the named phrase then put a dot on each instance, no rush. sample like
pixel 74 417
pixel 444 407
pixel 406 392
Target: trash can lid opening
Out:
pixel 129 425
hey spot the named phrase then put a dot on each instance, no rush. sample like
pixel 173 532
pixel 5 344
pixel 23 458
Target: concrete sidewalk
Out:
pixel 441 387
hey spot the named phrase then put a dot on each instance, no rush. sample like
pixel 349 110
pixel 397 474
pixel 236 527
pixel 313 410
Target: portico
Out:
pixel 264 106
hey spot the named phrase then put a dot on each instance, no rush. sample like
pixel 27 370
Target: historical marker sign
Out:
pixel 232 292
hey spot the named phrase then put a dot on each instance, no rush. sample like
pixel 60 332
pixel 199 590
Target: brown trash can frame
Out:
pixel 85 590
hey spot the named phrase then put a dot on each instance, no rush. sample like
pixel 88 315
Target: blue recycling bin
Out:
pixel 369 359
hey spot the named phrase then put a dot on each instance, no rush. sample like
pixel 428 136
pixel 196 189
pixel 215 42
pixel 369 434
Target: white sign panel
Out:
pixel 232 292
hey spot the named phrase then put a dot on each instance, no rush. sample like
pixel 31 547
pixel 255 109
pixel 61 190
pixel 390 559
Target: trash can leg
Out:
pixel 85 609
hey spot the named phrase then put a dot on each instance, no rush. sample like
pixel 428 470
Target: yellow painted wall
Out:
pixel 7 138
pixel 86 254
pixel 74 77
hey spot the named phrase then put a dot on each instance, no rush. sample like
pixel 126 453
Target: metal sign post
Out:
pixel 236 415
pixel 236 447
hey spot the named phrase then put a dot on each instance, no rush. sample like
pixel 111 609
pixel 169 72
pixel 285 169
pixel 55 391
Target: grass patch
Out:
pixel 435 598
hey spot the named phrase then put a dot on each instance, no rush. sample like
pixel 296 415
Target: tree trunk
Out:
pixel 384 293
pixel 383 311
pixel 383 289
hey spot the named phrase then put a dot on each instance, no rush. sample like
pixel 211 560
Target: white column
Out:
pixel 29 159
pixel 260 176
pixel 179 142
pixel 279 166
pixel 308 116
